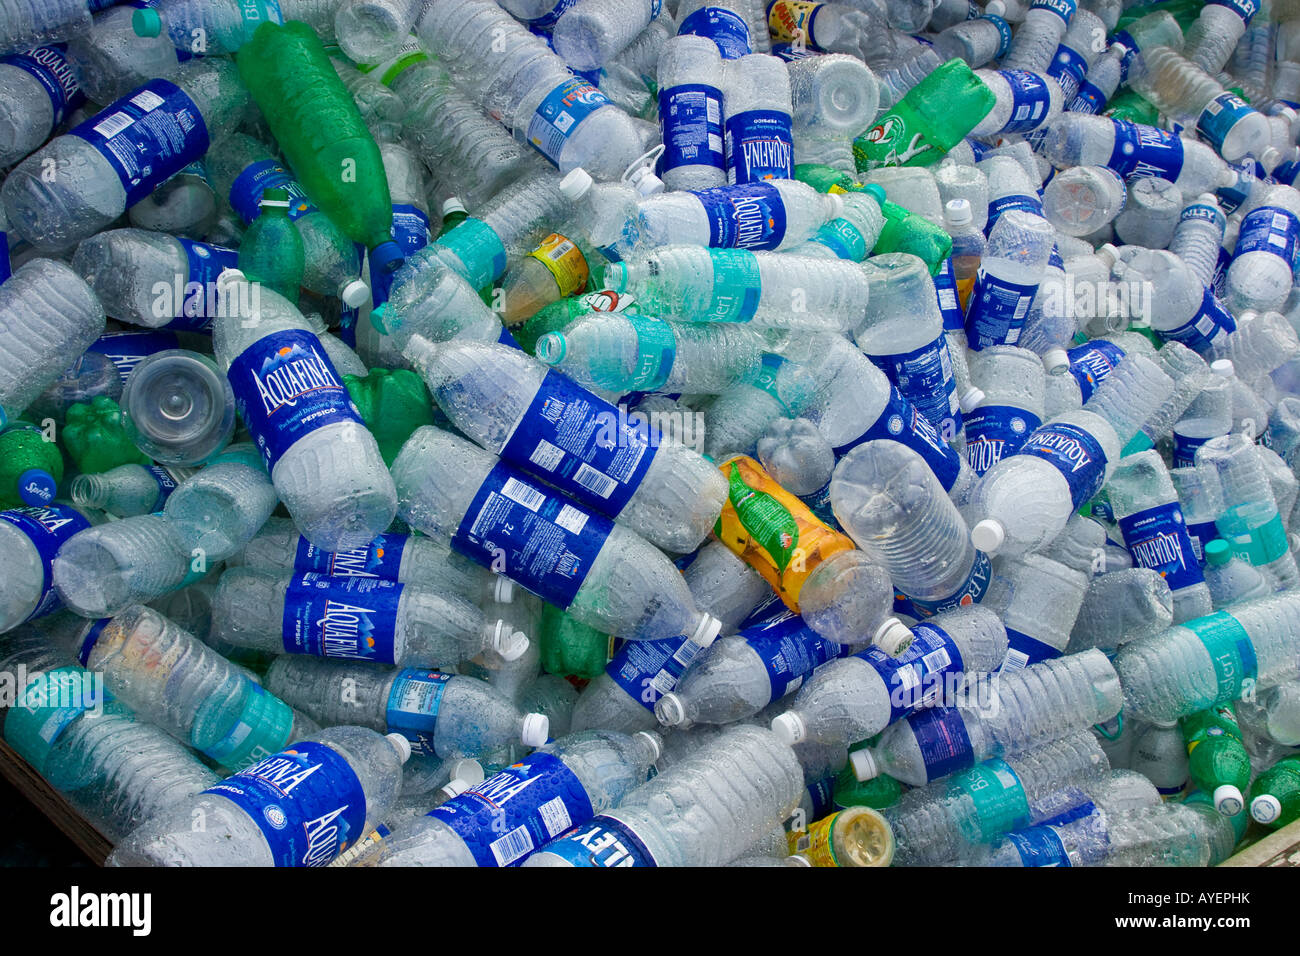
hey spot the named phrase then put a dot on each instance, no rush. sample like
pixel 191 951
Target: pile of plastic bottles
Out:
pixel 651 433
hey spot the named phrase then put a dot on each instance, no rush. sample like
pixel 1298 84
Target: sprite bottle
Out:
pixel 1217 761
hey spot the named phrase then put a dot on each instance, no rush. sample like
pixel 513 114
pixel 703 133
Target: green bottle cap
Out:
pixel 276 197
pixel 146 23
pixel 1218 553
pixel 877 192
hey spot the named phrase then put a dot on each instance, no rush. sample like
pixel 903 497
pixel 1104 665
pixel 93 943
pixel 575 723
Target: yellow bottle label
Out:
pixel 816 843
pixel 564 261
pixel 964 289
pixel 791 20
pixel 838 190
pixel 773 531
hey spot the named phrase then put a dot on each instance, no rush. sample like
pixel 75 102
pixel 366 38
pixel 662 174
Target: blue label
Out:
pixel 1004 34
pixel 91 637
pixel 790 650
pixel 412 708
pixel 560 114
pixel 1185 449
pixel 998 309
pixel 381 558
pixel 1270 229
pixel 1068 68
pixel 1141 150
pixel 943 741
pixel 647 670
pixel 248 187
pixel 410 228
pixel 479 256
pixel 750 216
pixel 1023 650
pixel 306 800
pixel 47 528
pixel 348 618
pixel 197 302
pixel 1211 320
pixel 166 485
pixel 1089 99
pixel 285 388
pixel 1091 362
pixel 1245 9
pixel 508 816
pixel 6 268
pixel 1075 453
pixel 548 544
pixel 49 67
pixel 581 445
pixel 1201 534
pixel 924 376
pixel 915 677
pixel 1158 539
pixel 1030 100
pixel 1062 8
pixel 770 608
pixel 902 422
pixel 147 137
pixel 1039 846
pixel 1233 195
pixel 759 146
pixel 1218 118
pixel 1205 213
pixel 691 116
pixel 548 20
pixel 601 842
pixel 723 27
pixel 1002 204
pixel 945 290
pixel 128 349
pixel 995 431
pixel 1287 173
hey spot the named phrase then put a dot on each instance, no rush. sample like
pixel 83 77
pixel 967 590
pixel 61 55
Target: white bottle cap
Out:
pixel 995 8
pixel 789 727
pixel 452 205
pixel 355 294
pixel 1228 800
pixel 893 637
pixel 972 398
pixel 958 211
pixel 1270 158
pixel 1056 360
pixel 468 770
pixel 401 745
pixel 537 727
pixel 988 535
pixel 1109 252
pixel 707 631
pixel 509 643
pixel 576 184
pixel 656 745
pixel 837 206
pixel 669 710
pixel 455 787
pixel 645 181
pixel 1223 367
pixel 503 592
pixel 864 765
pixel 228 277
pixel 1266 808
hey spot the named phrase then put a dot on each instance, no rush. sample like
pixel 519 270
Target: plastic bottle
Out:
pixel 31 466
pixel 126 490
pixel 1275 794
pixel 757 215
pixel 1039 34
pixel 336 507
pixel 1216 758
pixel 447 483
pixel 1009 276
pixel 660 489
pixel 1121 605
pixel 33 536
pixel 1012 382
pixel 690 111
pixel 1026 101
pixel 93 190
pixel 272 251
pixel 217 510
pixel 370 30
pixel 569 781
pixel 738 417
pixel 40 89
pixel 1230 579
pixel 978 41
pixel 1100 83
pixel 179 409
pixel 1084 199
pixel 1209 41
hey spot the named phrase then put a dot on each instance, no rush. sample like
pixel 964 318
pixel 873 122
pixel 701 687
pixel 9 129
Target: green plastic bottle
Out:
pixel 30 466
pixel 322 134
pixel 96 437
pixel 877 793
pixel 1128 105
pixel 1217 761
pixel 931 119
pixel 393 404
pixel 557 316
pixel 272 250
pixel 570 648
pixel 1275 795
pixel 1240 820
pixel 453 214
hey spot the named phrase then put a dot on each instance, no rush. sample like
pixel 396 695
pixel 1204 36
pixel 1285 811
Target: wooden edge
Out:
pixel 54 805
pixel 1277 849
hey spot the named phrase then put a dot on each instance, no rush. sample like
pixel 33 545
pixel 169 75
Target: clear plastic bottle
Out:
pixel 101 571
pixel 127 490
pixel 92 190
pixel 206 27
pixel 1026 101
pixel 179 408
pixel 739 416
pixel 1121 605
pixel 1151 214
pixel 761 215
pixel 724 585
pixel 690 112
pixel 857 697
pixel 1210 40
pixel 498 397
pixel 978 41
pixel 1198 235
pixel 1230 579
pixel 1129 396
pixel 759 142
pixel 609 577
pixel 705 811
pixel 1081 200
pixel 1012 382
pixel 39 89
pixel 1208 416
pixel 1026 708
pixel 499 822
pixel 326 468
pixel 1010 272
pixel 1083 43
pixel 1039 34
pixel 738 27
pixel 1100 83
pixel 351 774
pixel 833 99
pixel 371 30
pixel 1259 278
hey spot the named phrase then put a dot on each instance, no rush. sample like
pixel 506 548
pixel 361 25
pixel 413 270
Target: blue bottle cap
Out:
pixel 877 192
pixel 37 487
pixel 386 258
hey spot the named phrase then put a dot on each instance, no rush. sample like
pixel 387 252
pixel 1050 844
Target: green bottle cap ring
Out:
pixel 1217 552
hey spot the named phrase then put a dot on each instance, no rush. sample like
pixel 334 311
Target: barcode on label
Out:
pixel 546 456
pixel 595 481
pixel 560 251
pixel 555 816
pixel 713 110
pixel 663 683
pixel 907 676
pixel 947 299
pixel 512 846
pixel 520 493
pixel 147 100
pixel 937 659
pixel 1015 660
pixel 115 124
pixel 687 653
pixel 571 519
